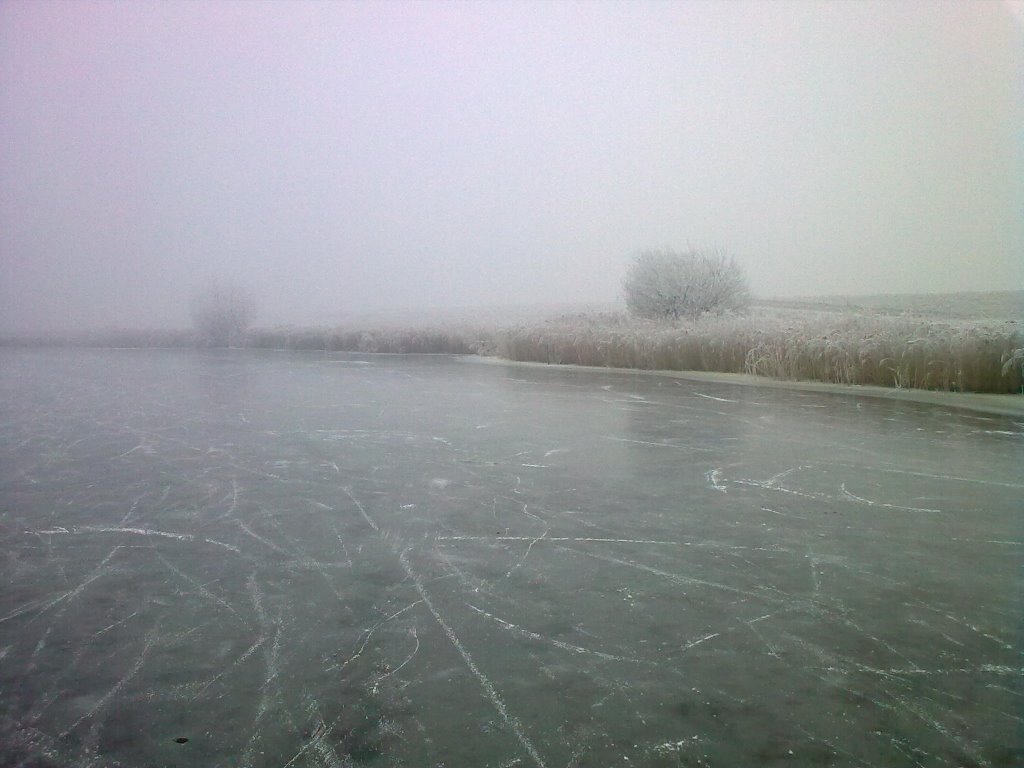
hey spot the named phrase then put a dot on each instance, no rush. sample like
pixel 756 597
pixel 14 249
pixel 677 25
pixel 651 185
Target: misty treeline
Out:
pixel 659 285
pixel 671 326
pixel 843 347
pixel 221 314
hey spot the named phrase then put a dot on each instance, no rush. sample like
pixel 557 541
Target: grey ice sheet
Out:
pixel 296 560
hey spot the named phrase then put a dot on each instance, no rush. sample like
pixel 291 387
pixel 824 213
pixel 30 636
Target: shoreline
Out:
pixel 1009 405
pixel 997 404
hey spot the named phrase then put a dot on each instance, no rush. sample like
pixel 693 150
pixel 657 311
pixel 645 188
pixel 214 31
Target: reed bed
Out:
pixel 835 347
pixel 444 340
pixel 116 338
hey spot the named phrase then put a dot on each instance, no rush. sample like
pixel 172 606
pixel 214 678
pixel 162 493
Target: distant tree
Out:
pixel 221 314
pixel 667 285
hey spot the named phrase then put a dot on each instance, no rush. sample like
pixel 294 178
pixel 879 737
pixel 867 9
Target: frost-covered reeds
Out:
pixel 451 341
pixel 836 347
pixel 857 346
pixel 122 338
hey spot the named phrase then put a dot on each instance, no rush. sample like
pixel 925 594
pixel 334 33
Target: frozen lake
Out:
pixel 264 559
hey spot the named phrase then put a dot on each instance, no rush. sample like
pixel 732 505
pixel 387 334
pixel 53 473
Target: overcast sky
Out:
pixel 346 156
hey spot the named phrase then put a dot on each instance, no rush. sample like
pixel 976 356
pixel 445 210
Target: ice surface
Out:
pixel 260 559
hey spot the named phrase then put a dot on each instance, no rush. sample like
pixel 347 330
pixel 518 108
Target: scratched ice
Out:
pixel 274 560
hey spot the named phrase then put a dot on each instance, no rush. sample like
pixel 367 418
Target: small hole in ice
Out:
pixel 182 740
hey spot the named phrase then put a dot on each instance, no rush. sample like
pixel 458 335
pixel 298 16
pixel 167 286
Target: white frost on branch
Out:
pixel 666 285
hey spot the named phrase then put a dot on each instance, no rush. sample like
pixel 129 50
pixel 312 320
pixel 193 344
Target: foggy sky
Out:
pixel 337 157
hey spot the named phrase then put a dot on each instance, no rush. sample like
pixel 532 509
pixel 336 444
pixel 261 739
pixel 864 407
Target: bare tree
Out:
pixel 666 285
pixel 221 314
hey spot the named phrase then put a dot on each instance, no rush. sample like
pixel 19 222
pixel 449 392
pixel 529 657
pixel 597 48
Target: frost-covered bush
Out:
pixel 221 314
pixel 666 285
